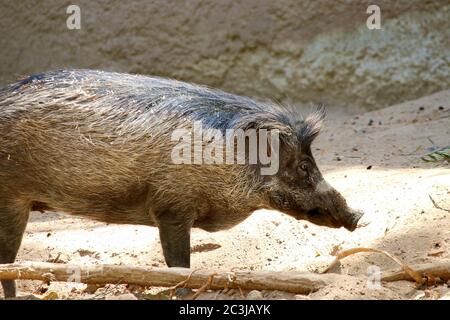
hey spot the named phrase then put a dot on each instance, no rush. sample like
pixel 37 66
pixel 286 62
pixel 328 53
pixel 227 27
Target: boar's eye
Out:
pixel 304 172
pixel 304 167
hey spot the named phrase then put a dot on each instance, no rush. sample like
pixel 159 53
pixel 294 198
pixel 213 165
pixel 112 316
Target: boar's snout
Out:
pixel 353 217
pixel 334 208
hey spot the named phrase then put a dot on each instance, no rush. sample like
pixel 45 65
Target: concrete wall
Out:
pixel 294 51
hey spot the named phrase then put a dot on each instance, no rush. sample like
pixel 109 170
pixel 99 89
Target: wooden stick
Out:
pixel 291 281
pixel 439 269
pixel 295 282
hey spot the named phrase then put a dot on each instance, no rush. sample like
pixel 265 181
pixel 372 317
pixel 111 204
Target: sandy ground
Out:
pixel 394 193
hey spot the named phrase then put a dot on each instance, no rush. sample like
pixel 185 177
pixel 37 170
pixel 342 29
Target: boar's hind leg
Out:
pixel 175 234
pixel 13 220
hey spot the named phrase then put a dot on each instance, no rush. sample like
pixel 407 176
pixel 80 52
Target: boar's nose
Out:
pixel 353 217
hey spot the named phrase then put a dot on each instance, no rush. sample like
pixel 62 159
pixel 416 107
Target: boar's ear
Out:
pixel 311 126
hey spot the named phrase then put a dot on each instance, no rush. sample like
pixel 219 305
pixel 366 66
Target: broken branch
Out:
pixel 291 281
pixel 439 269
pixel 295 282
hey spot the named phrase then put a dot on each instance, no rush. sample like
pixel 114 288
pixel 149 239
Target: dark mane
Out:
pixel 169 99
pixel 311 126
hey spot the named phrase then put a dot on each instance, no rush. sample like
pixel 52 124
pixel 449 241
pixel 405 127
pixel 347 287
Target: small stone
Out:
pixel 255 295
pixel 419 296
pixel 52 295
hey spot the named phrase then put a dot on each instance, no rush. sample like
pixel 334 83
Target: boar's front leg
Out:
pixel 175 236
pixel 13 220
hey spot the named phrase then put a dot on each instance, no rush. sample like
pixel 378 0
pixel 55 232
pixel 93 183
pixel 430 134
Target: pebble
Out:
pixel 255 295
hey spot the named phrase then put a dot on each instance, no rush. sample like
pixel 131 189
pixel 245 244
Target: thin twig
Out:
pixel 205 286
pixel 106 292
pixel 182 283
pixel 341 255
pixel 436 205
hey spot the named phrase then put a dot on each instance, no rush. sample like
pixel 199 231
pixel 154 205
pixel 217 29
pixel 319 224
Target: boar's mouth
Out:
pixel 322 218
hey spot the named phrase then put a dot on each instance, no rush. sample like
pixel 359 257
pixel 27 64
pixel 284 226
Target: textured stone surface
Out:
pixel 289 50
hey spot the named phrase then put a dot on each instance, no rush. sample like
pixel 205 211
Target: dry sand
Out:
pixel 394 193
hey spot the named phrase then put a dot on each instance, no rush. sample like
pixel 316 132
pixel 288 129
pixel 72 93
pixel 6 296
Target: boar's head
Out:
pixel 299 189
